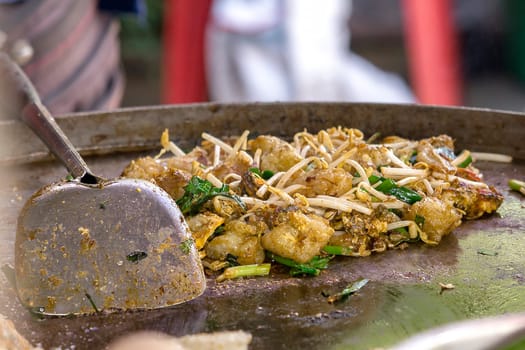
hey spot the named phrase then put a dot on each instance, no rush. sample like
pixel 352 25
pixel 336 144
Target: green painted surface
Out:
pixel 485 285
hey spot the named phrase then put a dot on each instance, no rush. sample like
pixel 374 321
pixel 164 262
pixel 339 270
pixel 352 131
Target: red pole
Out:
pixel 183 70
pixel 433 52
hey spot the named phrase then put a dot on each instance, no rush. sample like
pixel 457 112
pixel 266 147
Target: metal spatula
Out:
pixel 91 244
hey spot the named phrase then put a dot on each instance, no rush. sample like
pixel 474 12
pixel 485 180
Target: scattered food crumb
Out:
pixel 444 287
pixel 487 252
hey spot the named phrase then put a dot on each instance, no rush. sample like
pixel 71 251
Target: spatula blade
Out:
pixel 120 245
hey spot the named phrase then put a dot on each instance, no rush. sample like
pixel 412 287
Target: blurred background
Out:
pixel 490 37
pixel 446 52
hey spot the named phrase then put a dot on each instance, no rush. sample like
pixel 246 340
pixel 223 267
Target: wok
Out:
pixel 483 259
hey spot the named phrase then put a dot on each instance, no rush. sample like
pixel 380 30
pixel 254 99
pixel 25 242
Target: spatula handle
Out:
pixel 39 119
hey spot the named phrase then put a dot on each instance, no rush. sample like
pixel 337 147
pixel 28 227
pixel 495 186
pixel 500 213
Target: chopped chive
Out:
pixel 232 260
pixel 517 185
pixel 265 174
pixel 136 256
pixel 388 186
pixel 186 245
pixel 312 268
pixel 338 250
pixel 198 191
pixel 487 252
pixel 405 194
pixel 374 179
pixel 93 305
pixel 402 230
pixel 244 271
pixel 349 290
pixel 465 163
pixel 419 220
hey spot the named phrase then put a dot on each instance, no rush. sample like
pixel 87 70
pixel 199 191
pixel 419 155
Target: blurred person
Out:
pixel 69 49
pixel 291 50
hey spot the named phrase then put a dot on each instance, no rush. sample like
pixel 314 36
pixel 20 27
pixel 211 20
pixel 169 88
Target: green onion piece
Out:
pixel 186 245
pixel 405 194
pixel 388 186
pixel 244 271
pixel 463 160
pixel 319 262
pixel 465 163
pixel 487 252
pixel 338 250
pixel 349 290
pixel 218 231
pixel 265 174
pixel 419 220
pixel 312 268
pixel 93 305
pixel 517 185
pixel 232 260
pixel 402 230
pixel 374 179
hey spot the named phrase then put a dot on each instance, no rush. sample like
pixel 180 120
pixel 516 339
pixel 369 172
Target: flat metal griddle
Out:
pixel 483 258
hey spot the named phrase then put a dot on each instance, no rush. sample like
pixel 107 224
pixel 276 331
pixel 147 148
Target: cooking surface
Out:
pixel 483 259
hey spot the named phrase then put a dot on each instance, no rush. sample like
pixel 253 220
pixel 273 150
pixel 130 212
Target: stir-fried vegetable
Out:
pixel 198 191
pixel 301 202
